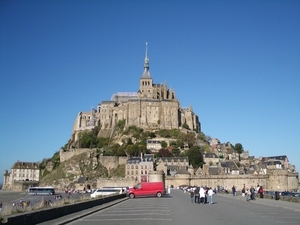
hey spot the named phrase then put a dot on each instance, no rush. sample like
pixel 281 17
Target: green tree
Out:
pixel 186 126
pixel 176 152
pixel 190 139
pixel 164 144
pixel 195 156
pixel 201 136
pixel 239 148
pixel 87 139
pixel 120 125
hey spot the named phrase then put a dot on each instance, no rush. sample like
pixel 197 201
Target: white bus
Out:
pixel 41 191
pixel 106 191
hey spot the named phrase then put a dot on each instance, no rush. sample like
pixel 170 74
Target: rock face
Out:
pixel 81 163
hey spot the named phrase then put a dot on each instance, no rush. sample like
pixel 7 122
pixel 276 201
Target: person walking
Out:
pixel 243 191
pixel 192 195
pixel 197 198
pixel 210 193
pixel 233 190
pixel 261 192
pixel 252 193
pixel 248 195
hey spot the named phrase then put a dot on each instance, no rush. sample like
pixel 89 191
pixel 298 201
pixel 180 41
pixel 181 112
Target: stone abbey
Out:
pixel 153 106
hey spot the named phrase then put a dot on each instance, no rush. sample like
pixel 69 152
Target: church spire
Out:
pixel 146 73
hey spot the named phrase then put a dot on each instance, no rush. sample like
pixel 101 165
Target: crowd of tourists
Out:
pixel 201 195
pixel 249 193
pixel 204 195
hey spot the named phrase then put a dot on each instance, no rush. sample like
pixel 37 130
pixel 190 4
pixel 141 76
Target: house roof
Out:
pixel 182 171
pixel 270 163
pixel 144 158
pixel 281 157
pixel 81 180
pixel 229 164
pixel 213 170
pixel 172 167
pixel 25 165
pixel 170 159
pixel 210 155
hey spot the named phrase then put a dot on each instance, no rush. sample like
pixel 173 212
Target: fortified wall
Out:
pixel 273 181
pixel 110 162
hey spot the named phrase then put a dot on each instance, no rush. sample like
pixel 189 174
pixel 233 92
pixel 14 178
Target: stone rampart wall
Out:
pixel 109 162
pixel 270 182
pixel 65 155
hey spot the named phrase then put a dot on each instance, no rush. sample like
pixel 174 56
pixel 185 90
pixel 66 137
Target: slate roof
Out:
pixel 213 170
pixel 270 163
pixel 281 157
pixel 172 167
pixel 81 180
pixel 144 158
pixel 229 164
pixel 183 171
pixel 169 159
pixel 210 155
pixel 25 165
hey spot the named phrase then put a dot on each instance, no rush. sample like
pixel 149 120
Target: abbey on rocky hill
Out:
pixel 153 106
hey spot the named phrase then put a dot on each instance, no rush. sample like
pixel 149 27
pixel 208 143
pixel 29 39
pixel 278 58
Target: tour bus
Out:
pixel 106 191
pixel 41 191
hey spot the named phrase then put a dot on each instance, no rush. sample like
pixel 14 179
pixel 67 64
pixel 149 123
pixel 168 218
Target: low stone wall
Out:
pixel 43 215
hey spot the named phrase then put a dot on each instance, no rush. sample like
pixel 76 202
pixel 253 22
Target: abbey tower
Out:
pixel 152 107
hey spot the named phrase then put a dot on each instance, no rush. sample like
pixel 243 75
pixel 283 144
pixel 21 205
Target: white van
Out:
pixel 106 191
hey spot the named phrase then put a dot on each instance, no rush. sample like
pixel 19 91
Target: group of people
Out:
pixel 250 193
pixel 202 195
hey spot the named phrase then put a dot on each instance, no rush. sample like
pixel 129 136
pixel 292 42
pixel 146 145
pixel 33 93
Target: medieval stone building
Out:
pixel 153 106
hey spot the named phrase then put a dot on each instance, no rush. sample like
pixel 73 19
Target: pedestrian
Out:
pixel 243 191
pixel 197 197
pixel 233 190
pixel 0 206
pixel 261 192
pixel 210 193
pixel 192 195
pixel 248 194
pixel 252 193
pixel 202 195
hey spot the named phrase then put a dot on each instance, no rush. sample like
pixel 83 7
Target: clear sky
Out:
pixel 236 62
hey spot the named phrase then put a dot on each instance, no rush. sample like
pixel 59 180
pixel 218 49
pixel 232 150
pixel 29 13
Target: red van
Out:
pixel 147 189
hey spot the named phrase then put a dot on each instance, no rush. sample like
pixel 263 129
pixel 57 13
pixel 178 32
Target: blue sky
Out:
pixel 236 62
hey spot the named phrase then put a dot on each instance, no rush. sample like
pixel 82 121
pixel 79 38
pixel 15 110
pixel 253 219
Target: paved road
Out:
pixel 177 209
